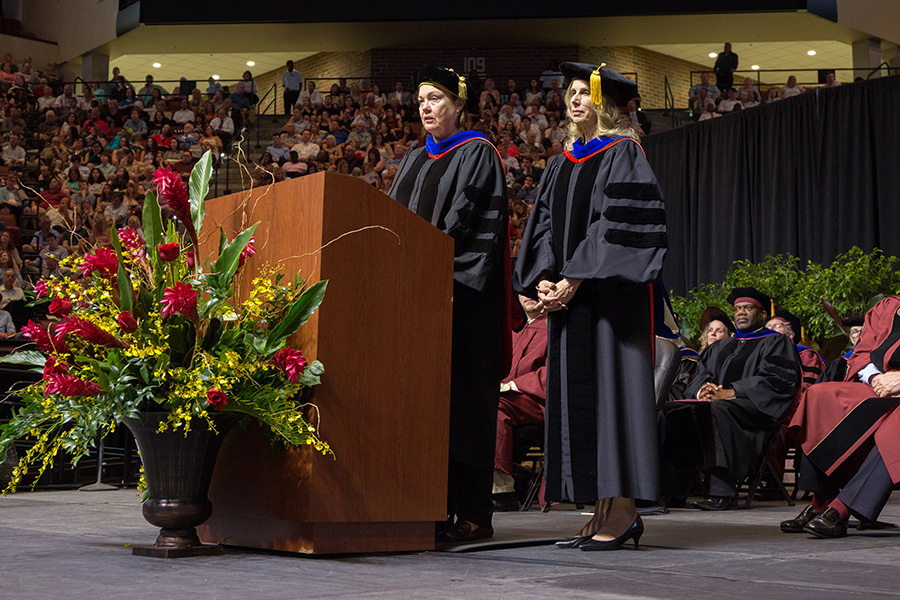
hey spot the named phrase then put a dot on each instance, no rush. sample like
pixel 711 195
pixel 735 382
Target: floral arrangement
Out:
pixel 148 327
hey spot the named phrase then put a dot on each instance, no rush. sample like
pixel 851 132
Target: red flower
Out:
pixel 69 385
pixel 132 242
pixel 189 259
pixel 39 336
pixel 40 288
pixel 168 252
pixel 102 261
pixel 291 362
pixel 88 332
pixel 216 398
pixel 127 321
pixel 247 252
pixel 182 299
pixel 53 367
pixel 174 193
pixel 60 307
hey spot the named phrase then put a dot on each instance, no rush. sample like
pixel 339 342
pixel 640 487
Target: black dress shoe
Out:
pixel 505 502
pixel 867 524
pixel 462 531
pixel 573 542
pixel 716 503
pixel 797 524
pixel 827 525
pixel 634 532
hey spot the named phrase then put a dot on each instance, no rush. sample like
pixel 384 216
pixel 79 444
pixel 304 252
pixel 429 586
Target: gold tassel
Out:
pixel 463 92
pixel 596 90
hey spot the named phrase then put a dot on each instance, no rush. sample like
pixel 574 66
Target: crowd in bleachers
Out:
pixel 76 162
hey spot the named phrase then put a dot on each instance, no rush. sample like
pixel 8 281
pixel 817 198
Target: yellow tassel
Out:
pixel 463 92
pixel 596 90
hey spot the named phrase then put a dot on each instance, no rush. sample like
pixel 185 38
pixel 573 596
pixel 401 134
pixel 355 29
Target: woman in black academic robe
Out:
pixel 594 243
pixel 456 182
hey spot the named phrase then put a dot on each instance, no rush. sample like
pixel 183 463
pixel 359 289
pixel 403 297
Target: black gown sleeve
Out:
pixel 536 260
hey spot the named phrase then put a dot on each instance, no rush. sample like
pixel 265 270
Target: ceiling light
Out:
pixel 216 77
pixel 250 63
pixel 156 65
pixel 812 52
pixel 713 55
pixel 755 67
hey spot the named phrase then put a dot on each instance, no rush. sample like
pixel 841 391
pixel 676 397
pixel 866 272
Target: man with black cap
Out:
pixel 748 381
pixel 811 362
pixel 837 368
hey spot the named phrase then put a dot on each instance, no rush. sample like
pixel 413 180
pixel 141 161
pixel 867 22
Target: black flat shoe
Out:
pixel 461 531
pixel 574 542
pixel 716 503
pixel 505 502
pixel 634 532
pixel 867 524
pixel 827 525
pixel 797 524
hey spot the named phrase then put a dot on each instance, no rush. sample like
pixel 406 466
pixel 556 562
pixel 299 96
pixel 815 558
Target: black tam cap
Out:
pixel 792 320
pixel 449 81
pixel 854 322
pixel 714 313
pixel 752 295
pixel 603 80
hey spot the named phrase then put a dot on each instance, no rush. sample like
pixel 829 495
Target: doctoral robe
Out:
pixel 763 369
pixel 598 217
pixel 838 421
pixel 459 186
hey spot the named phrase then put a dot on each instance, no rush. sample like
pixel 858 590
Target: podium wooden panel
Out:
pixel 383 334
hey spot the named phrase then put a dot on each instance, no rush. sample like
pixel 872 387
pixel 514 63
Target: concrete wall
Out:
pixel 77 26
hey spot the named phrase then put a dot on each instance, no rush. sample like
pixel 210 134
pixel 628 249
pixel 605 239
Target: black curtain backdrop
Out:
pixel 811 175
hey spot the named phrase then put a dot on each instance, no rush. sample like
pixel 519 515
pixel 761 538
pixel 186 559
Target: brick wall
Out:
pixel 387 65
pixel 652 69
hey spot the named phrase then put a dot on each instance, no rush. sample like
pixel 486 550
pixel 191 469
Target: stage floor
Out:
pixel 76 545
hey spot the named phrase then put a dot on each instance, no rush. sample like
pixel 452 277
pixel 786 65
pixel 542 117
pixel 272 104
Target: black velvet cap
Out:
pixel 854 322
pixel 714 313
pixel 752 295
pixel 449 81
pixel 615 85
pixel 792 319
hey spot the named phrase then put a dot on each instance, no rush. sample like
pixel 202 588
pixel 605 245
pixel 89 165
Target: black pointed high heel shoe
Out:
pixel 574 542
pixel 634 532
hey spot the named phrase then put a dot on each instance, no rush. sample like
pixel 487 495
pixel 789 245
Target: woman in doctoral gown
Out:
pixel 456 182
pixel 594 243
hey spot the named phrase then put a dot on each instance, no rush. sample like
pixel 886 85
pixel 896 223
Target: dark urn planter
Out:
pixel 178 469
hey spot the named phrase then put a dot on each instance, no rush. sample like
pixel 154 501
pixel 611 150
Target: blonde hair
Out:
pixel 609 121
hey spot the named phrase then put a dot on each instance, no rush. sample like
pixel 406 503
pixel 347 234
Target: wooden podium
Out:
pixel 383 333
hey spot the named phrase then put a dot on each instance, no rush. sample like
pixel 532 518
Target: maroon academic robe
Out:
pixel 836 419
pixel 529 373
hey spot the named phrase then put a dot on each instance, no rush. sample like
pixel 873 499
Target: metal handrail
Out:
pixel 759 73
pixel 884 63
pixel 260 111
pixel 669 101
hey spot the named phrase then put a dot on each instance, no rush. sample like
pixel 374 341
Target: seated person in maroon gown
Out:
pixel 849 433
pixel 522 394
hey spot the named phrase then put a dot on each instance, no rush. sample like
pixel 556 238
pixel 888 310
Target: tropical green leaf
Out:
pixel 299 313
pixel 229 258
pixel 126 291
pixel 151 222
pixel 32 358
pixel 198 187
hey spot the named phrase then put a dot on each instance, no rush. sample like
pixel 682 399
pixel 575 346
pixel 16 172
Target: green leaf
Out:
pixel 151 222
pixel 229 258
pixel 126 291
pixel 32 358
pixel 198 187
pixel 299 313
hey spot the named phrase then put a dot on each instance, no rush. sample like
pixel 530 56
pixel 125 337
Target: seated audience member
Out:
pixel 637 119
pixel 294 167
pixel 751 99
pixel 728 103
pixel 400 94
pixel 714 326
pixel 849 431
pixel 837 368
pixel 12 288
pixel 13 154
pixel 791 88
pixel 528 168
pixel 223 125
pixel 771 96
pixel 702 103
pixel 397 158
pixel 310 94
pixel 53 251
pixel 189 140
pixel 305 148
pixel 183 167
pixel 289 134
pixel 277 150
pixel 522 394
pixel 117 212
pixel 528 192
pixel 7 327
pixel 745 89
pixel 830 81
pixel 710 113
pixel 712 92
pixel 184 114
pixel 745 385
